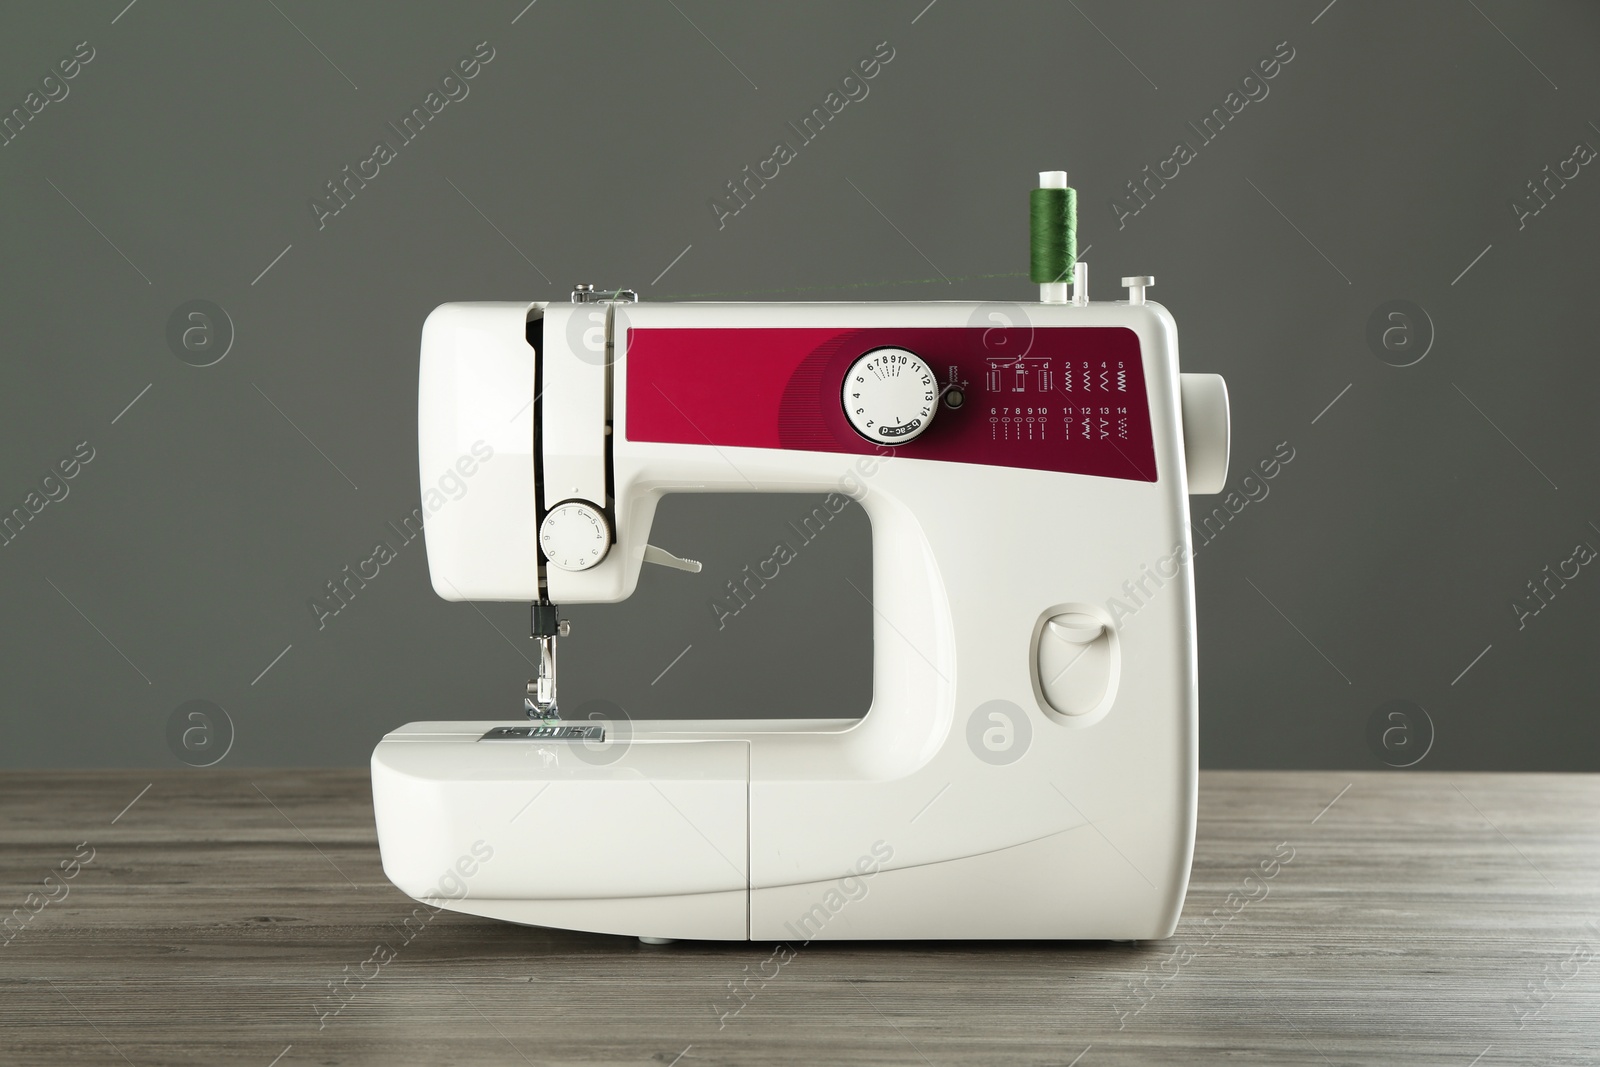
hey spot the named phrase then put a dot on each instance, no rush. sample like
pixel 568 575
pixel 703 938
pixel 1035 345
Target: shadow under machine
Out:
pixel 1028 765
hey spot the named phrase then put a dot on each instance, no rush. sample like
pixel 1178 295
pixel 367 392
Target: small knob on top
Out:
pixel 1136 287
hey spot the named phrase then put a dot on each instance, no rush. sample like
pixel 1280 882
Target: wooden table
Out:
pixel 1422 919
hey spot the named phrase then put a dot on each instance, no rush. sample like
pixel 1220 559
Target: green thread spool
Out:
pixel 1053 218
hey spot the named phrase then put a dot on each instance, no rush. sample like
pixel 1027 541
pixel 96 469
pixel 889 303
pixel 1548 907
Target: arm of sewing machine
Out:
pixel 1028 765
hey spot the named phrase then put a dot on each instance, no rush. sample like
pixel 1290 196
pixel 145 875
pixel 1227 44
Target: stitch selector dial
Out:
pixel 890 396
pixel 575 535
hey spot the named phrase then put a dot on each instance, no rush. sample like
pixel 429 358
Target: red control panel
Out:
pixel 1069 398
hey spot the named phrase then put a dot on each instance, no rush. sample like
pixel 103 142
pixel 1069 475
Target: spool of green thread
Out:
pixel 1053 217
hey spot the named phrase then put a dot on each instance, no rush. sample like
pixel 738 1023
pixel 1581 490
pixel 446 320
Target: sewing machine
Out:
pixel 1027 768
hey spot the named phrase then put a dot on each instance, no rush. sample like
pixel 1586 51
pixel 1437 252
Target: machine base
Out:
pixel 1060 887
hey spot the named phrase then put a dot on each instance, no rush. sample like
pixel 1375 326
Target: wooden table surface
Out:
pixel 1411 918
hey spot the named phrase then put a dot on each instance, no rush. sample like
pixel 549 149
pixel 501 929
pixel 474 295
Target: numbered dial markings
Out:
pixel 575 535
pixel 890 396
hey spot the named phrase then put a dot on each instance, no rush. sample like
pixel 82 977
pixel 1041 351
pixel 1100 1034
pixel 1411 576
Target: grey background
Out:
pixel 1384 560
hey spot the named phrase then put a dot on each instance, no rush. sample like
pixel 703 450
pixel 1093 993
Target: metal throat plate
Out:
pixel 547 732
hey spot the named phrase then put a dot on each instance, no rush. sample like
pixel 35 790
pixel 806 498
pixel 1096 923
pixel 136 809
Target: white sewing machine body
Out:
pixel 1014 777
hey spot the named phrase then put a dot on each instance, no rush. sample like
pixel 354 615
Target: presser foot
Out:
pixel 539 702
pixel 537 711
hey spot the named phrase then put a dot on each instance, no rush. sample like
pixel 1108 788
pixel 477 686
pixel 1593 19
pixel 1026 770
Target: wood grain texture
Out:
pixel 1422 919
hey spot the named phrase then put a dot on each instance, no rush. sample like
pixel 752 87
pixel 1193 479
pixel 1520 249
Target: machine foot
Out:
pixel 657 940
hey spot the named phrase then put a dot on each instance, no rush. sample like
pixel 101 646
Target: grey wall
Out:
pixel 1384 559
